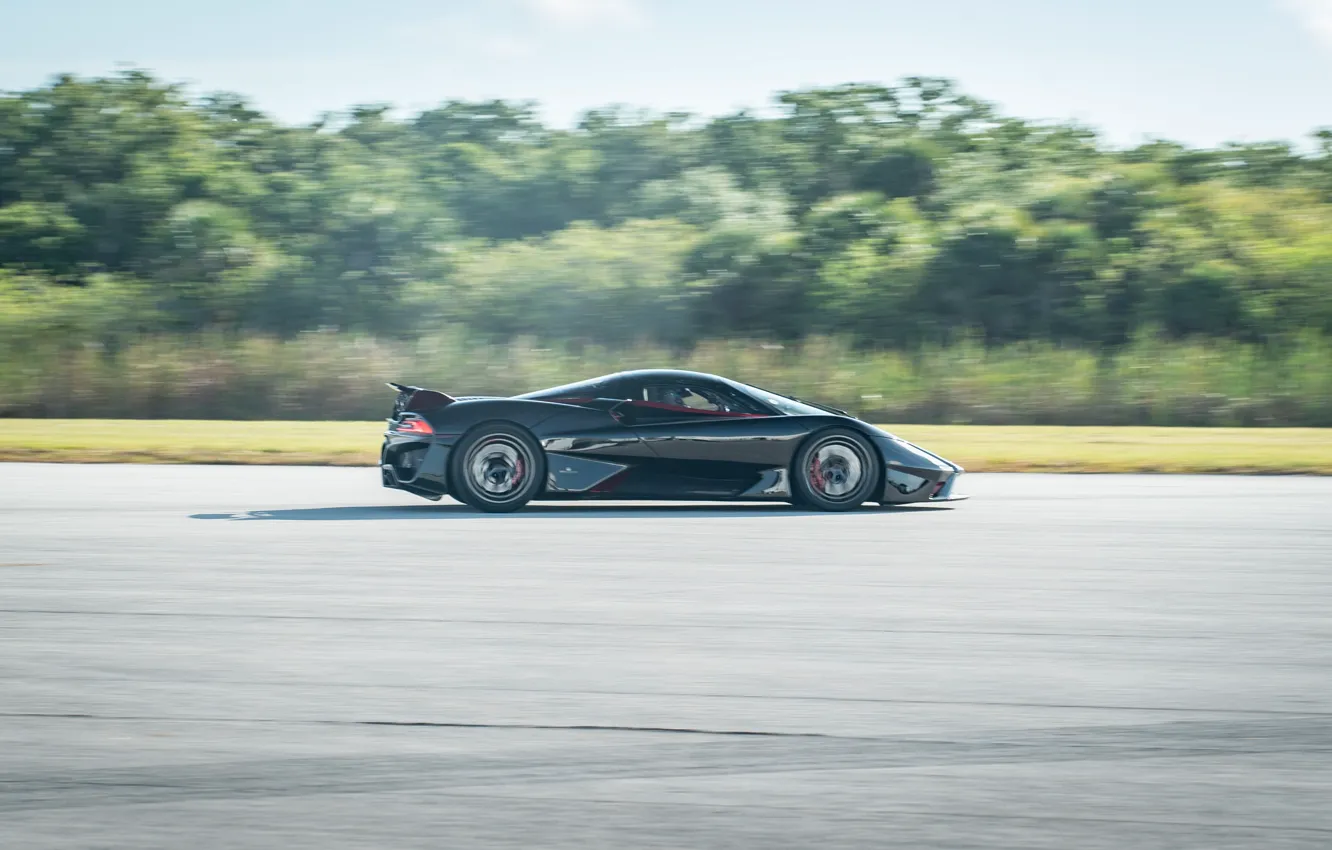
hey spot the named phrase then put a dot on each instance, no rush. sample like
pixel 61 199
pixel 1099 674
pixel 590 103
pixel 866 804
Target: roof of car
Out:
pixel 665 375
pixel 672 375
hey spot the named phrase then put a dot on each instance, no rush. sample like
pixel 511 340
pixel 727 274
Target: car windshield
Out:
pixel 785 404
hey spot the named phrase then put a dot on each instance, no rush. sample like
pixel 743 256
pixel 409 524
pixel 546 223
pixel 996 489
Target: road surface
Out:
pixel 241 657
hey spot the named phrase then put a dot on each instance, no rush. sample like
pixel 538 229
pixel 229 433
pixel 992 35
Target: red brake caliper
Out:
pixel 815 479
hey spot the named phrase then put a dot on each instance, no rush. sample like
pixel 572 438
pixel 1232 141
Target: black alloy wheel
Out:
pixel 835 470
pixel 497 468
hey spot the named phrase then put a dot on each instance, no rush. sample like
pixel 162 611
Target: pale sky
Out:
pixel 1191 70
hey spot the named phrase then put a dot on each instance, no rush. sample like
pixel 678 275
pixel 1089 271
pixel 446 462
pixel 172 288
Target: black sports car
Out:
pixel 651 434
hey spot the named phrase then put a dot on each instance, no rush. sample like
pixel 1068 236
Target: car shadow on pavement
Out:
pixel 452 511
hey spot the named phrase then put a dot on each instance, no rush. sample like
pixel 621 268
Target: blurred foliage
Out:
pixel 910 218
pixel 339 375
pixel 896 216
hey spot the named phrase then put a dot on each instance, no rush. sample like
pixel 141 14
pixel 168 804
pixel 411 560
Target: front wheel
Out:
pixel 836 470
pixel 497 468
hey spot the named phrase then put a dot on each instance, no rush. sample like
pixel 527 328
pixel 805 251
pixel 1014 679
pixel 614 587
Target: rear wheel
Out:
pixel 836 470
pixel 497 468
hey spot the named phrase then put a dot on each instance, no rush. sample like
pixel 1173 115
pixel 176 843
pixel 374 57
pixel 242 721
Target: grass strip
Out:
pixel 979 448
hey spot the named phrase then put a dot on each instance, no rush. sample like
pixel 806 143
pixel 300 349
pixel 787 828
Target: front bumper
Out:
pixel 913 475
pixel 946 492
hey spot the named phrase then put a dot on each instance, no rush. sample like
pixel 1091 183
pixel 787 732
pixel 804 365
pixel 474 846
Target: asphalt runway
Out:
pixel 232 657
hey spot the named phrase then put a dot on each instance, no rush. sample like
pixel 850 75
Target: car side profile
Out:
pixel 654 434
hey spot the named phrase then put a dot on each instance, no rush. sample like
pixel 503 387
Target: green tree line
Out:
pixel 893 217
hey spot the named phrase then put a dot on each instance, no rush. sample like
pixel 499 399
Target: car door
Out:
pixel 709 425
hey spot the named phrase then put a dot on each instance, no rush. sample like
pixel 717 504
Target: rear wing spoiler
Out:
pixel 417 398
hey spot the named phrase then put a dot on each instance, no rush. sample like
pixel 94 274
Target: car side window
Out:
pixel 681 397
pixel 684 399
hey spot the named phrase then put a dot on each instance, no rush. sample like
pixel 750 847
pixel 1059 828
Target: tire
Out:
pixel 835 470
pixel 795 500
pixel 497 468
